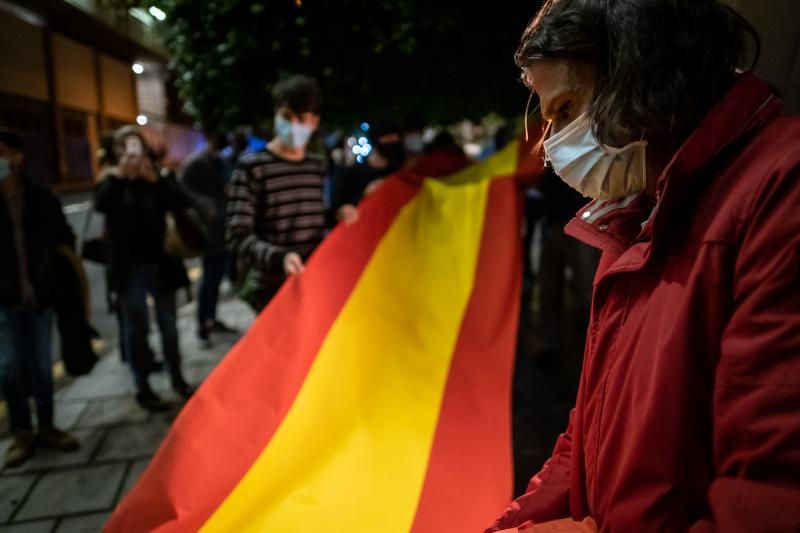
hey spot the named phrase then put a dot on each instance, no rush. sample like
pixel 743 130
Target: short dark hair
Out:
pixel 299 93
pixel 12 139
pixel 661 64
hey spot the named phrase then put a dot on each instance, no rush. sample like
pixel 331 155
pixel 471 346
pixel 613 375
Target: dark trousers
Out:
pixel 26 365
pixel 214 268
pixel 560 251
pixel 143 281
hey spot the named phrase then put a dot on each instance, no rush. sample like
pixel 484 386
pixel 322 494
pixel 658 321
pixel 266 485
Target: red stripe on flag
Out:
pixel 229 422
pixel 469 478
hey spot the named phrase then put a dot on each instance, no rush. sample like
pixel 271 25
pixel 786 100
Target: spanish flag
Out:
pixel 373 393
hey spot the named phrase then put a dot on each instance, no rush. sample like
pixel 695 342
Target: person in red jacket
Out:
pixel 688 411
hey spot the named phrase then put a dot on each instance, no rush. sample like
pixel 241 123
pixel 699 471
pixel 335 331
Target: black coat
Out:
pixel 203 174
pixel 72 312
pixel 45 229
pixel 135 212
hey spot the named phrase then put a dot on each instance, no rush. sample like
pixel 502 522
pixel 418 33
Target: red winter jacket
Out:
pixel 688 411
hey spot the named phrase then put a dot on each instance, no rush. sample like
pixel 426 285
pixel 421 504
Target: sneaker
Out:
pixel 20 450
pixel 222 327
pixel 55 439
pixel 149 401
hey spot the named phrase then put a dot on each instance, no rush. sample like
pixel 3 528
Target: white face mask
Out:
pixel 292 134
pixel 594 169
pixel 5 168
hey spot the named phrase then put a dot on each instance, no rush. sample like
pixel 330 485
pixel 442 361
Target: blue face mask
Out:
pixel 5 168
pixel 292 134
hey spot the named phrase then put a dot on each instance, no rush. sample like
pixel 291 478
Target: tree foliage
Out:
pixel 444 60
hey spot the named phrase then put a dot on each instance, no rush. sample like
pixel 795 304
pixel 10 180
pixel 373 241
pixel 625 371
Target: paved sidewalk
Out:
pixel 72 493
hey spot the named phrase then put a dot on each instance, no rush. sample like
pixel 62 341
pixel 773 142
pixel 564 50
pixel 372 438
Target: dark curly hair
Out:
pixel 299 93
pixel 661 64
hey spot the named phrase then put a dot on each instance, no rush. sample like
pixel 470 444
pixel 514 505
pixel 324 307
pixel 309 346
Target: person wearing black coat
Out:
pixel 203 174
pixel 32 227
pixel 135 202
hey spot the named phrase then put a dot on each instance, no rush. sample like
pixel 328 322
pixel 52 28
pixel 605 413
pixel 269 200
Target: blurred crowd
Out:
pixel 252 212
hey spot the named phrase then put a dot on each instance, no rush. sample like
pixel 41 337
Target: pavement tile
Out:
pixel 111 365
pixel 133 442
pixel 4 444
pixel 200 373
pixel 168 417
pixel 134 473
pixel 73 491
pixel 41 526
pixel 191 354
pixel 12 490
pixel 112 412
pixel 92 523
pixel 161 385
pixel 68 413
pixel 93 387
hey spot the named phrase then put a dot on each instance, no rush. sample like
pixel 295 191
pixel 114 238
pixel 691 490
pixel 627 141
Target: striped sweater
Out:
pixel 275 206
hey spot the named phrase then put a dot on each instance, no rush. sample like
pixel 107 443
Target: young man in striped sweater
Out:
pixel 276 216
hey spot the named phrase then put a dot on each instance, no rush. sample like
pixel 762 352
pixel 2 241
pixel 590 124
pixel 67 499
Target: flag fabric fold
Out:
pixel 373 393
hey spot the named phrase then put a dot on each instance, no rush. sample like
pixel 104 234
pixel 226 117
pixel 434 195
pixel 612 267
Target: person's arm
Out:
pixel 756 424
pixel 241 237
pixel 547 497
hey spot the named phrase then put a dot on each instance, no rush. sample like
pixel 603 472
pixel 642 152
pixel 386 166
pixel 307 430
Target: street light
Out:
pixel 158 14
pixel 137 68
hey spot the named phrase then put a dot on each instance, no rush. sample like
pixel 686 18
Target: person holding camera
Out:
pixel 135 202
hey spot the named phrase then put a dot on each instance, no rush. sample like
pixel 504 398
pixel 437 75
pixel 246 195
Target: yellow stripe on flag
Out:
pixel 352 453
pixel 503 163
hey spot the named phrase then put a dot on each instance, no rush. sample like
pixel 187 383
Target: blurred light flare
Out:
pixel 157 14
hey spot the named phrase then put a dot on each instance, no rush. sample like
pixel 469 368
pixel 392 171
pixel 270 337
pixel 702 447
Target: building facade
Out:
pixel 71 70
